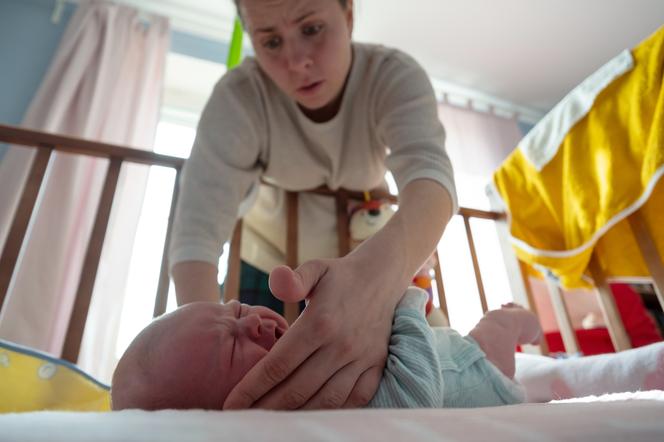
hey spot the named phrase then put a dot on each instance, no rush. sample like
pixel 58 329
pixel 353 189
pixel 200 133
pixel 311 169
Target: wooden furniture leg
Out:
pixel 440 288
pixel 532 305
pixel 650 254
pixel 291 310
pixel 79 314
pixel 343 229
pixel 161 300
pixel 516 275
pixel 614 323
pixel 232 283
pixel 476 264
pixel 570 340
pixel 21 220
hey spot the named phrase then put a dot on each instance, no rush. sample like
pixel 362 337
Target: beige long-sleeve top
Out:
pixel 250 129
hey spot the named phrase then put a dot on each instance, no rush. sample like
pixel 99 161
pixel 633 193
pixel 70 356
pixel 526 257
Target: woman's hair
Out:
pixel 343 4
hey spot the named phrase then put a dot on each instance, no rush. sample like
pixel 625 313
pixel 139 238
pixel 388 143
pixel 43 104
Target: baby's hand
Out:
pixel 414 298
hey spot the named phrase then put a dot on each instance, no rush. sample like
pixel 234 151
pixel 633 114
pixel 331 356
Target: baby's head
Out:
pixel 194 356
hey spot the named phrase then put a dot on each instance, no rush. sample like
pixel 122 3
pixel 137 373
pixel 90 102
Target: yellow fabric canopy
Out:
pixel 570 186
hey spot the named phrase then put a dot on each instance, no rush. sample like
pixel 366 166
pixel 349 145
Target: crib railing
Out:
pixel 45 144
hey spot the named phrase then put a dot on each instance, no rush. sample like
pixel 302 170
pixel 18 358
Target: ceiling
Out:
pixel 527 52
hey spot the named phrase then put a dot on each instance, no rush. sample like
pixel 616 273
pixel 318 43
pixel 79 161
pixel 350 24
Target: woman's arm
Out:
pixel 195 281
pixel 223 165
pixel 334 354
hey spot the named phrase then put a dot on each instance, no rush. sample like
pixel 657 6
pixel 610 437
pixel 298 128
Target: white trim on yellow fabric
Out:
pixel 612 222
pixel 543 141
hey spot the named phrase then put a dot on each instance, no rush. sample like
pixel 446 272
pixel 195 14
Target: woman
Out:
pixel 314 108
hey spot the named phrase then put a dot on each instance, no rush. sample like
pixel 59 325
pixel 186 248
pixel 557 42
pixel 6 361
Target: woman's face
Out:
pixel 304 46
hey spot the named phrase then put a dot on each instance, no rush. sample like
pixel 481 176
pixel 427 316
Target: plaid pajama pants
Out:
pixel 254 289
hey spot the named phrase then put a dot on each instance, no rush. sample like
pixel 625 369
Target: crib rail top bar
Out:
pixel 482 214
pixel 384 194
pixel 27 137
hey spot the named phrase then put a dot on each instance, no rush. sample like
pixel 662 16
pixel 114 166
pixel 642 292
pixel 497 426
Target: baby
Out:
pixel 194 356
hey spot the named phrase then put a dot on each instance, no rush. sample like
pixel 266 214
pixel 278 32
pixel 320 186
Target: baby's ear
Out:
pixel 414 298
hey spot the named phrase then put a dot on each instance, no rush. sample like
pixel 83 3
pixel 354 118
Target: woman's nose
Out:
pixel 299 58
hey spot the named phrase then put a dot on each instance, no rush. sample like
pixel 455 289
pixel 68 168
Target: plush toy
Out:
pixel 368 218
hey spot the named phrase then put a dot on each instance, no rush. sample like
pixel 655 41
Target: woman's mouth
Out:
pixel 310 88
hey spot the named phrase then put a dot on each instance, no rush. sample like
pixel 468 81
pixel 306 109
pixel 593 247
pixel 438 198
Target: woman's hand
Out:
pixel 333 355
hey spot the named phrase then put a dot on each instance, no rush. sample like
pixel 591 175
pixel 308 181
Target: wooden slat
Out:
pixel 516 275
pixel 381 194
pixel 476 264
pixel 650 254
pixel 440 288
pixel 291 310
pixel 481 214
pixel 614 323
pixel 532 305
pixel 343 230
pixel 567 332
pixel 90 265
pixel 21 220
pixel 43 140
pixel 232 283
pixel 161 300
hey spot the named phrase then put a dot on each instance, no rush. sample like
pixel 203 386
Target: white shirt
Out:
pixel 250 129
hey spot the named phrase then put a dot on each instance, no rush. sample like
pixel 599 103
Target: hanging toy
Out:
pixel 424 280
pixel 368 218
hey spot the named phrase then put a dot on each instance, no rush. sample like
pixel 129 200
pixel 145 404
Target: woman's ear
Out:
pixel 350 17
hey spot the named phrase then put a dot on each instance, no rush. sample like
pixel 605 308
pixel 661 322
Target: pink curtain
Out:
pixel 477 143
pixel 103 84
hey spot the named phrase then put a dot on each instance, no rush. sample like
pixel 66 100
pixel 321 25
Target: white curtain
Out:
pixel 477 143
pixel 103 84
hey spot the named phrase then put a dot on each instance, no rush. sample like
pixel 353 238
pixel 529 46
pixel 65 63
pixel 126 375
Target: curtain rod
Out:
pixel 464 97
pixel 59 7
pixel 191 19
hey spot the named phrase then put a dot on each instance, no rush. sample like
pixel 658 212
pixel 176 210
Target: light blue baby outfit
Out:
pixel 436 367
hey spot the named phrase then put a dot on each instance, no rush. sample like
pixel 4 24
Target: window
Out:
pixel 185 96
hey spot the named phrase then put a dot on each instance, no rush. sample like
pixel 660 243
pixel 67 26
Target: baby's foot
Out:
pixel 500 331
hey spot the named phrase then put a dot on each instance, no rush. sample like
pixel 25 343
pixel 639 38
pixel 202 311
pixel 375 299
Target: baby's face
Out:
pixel 249 333
pixel 198 352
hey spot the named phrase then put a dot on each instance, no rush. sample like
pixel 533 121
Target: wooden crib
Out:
pixel 45 144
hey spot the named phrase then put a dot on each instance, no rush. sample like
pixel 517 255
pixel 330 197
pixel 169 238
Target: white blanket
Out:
pixel 615 417
pixel 547 379
pixel 634 417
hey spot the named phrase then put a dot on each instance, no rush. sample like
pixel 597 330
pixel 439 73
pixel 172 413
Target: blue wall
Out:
pixel 28 41
pixel 198 47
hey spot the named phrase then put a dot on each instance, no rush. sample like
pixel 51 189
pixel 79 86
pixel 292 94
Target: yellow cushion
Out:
pixel 33 381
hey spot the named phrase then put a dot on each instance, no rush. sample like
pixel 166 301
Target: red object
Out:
pixel 639 325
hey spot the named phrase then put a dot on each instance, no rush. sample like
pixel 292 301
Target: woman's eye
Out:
pixel 312 30
pixel 272 43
